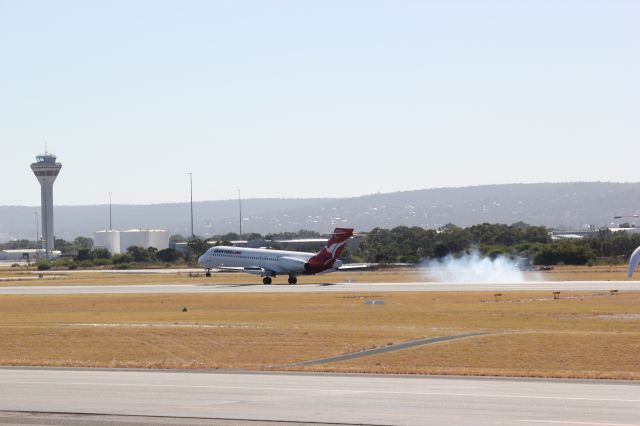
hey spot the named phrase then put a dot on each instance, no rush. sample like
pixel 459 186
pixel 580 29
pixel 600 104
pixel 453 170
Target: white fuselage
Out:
pixel 277 261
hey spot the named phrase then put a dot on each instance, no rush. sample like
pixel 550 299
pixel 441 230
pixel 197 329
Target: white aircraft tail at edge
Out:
pixel 634 260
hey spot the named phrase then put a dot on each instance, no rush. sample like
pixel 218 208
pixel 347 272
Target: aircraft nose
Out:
pixel 201 260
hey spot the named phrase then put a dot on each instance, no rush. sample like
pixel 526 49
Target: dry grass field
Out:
pixel 586 334
pixel 587 354
pixel 586 273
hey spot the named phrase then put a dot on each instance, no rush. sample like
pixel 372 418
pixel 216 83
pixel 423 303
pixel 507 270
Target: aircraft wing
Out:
pixel 350 267
pixel 255 270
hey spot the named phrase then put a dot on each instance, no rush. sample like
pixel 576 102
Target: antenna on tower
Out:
pixel 45 148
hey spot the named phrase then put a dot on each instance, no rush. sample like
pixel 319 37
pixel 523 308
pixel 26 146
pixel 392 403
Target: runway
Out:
pixel 326 288
pixel 341 399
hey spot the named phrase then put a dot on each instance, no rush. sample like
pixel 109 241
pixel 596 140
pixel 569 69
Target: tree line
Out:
pixel 519 240
pixel 86 258
pixel 401 244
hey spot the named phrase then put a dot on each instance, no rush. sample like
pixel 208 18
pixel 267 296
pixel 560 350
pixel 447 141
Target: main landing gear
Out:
pixel 267 280
pixel 208 273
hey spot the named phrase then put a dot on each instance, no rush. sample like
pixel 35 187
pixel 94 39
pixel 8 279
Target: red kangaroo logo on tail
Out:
pixel 328 255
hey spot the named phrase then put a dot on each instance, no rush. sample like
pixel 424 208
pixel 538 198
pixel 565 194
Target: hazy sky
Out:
pixel 303 99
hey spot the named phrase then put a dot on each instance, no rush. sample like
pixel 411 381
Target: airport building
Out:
pixel 632 231
pixel 567 235
pixel 26 255
pixel 118 241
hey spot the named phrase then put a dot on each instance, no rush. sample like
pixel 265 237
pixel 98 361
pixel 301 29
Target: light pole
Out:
pixel 37 230
pixel 240 214
pixel 191 188
pixel 110 227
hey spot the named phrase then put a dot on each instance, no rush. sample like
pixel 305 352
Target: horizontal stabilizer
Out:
pixel 355 266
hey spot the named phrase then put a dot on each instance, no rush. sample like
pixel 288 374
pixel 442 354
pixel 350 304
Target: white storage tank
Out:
pixel 108 239
pixel 133 237
pixel 158 238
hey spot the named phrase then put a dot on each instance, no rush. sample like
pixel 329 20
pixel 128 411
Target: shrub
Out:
pixel 63 262
pixel 168 255
pixel 101 262
pixel 85 264
pixel 140 254
pixel 100 253
pixel 119 259
pixel 564 253
pixel 43 265
pixel 84 254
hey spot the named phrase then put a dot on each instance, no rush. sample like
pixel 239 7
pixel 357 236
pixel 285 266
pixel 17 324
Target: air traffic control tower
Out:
pixel 46 170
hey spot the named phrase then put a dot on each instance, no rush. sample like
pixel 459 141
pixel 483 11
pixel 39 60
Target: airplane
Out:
pixel 271 263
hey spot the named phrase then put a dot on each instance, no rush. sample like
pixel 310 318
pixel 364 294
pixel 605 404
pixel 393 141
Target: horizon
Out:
pixel 235 200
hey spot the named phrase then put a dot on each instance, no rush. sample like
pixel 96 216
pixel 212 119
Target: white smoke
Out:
pixel 475 268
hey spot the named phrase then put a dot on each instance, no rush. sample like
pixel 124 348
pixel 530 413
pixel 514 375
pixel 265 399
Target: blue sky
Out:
pixel 306 99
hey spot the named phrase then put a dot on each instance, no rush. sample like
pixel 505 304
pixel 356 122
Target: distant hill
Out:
pixel 558 205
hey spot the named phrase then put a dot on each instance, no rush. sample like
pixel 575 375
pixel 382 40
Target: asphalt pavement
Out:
pixel 319 398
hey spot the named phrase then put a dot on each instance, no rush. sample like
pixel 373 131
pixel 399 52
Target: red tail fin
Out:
pixel 331 252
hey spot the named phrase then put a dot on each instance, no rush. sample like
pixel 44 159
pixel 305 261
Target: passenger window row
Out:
pixel 253 257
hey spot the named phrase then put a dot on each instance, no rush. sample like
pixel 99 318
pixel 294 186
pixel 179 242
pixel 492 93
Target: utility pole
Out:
pixel 110 227
pixel 240 212
pixel 191 186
